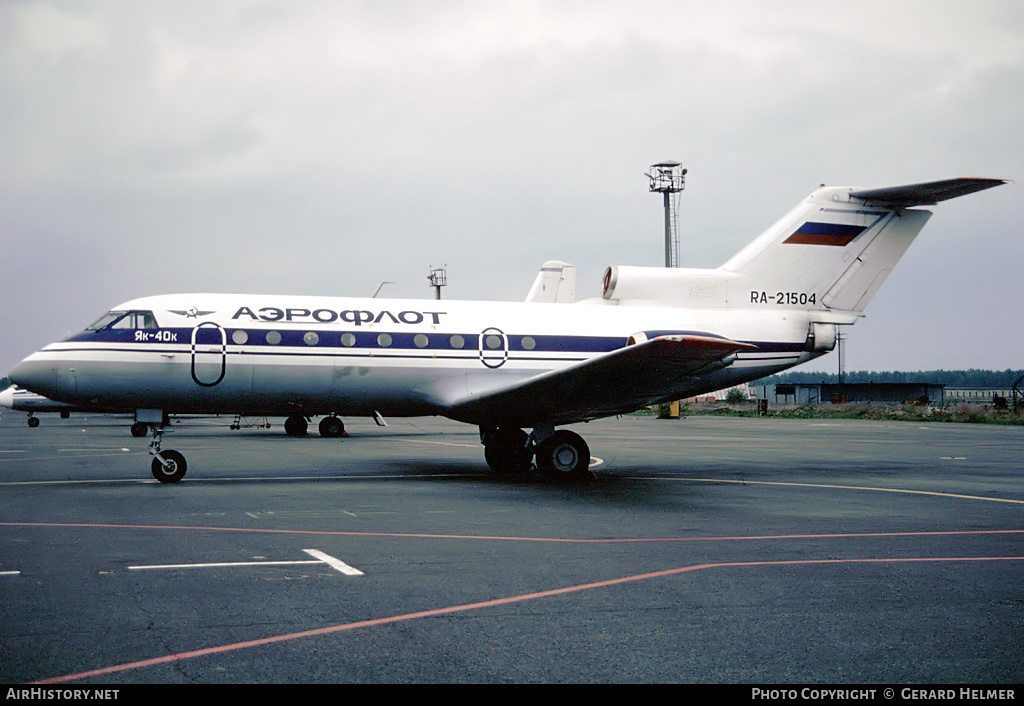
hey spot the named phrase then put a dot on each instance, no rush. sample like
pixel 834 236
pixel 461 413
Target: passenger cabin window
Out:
pixel 125 320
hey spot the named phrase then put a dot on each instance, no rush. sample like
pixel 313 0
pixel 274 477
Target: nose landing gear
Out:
pixel 168 466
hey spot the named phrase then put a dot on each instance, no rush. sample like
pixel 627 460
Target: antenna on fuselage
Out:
pixel 669 177
pixel 438 278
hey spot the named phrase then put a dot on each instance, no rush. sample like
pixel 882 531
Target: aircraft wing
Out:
pixel 617 382
pixel 926 194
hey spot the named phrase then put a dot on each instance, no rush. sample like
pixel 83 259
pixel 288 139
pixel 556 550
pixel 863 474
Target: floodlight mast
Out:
pixel 669 177
pixel 438 278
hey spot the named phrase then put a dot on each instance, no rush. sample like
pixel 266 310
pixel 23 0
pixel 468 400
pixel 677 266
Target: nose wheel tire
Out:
pixel 175 469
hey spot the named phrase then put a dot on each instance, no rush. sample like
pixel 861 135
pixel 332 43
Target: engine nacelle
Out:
pixel 674 286
pixel 822 337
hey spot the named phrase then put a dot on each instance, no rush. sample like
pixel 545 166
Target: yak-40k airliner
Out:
pixel 517 370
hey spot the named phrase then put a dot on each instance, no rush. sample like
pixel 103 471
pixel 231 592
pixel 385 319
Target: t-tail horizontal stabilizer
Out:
pixel 926 194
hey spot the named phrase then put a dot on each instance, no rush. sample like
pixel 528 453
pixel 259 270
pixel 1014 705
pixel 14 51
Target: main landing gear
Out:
pixel 33 420
pixel 331 427
pixel 558 453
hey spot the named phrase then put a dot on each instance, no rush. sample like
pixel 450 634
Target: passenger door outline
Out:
pixel 209 358
pixel 493 347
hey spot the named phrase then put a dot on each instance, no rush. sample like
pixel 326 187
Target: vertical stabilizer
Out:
pixel 836 248
pixel 555 284
pixel 830 252
pixel 829 255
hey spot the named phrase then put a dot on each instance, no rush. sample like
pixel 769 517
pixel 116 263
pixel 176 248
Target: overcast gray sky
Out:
pixel 323 147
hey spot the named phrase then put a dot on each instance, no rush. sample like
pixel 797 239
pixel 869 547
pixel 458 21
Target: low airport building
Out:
pixel 978 395
pixel 858 392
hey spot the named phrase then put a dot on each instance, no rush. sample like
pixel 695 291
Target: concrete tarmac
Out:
pixel 703 550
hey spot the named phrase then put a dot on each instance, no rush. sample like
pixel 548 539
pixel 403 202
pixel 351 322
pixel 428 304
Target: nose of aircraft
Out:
pixel 37 376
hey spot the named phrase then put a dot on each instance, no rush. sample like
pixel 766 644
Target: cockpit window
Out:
pixel 125 320
pixel 105 320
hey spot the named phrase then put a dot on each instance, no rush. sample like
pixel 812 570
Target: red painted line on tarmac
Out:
pixel 181 656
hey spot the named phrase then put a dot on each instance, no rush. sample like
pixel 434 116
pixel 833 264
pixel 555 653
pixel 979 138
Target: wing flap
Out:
pixel 617 382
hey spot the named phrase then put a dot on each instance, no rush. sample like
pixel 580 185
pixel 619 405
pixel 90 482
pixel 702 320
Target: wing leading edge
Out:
pixel 617 382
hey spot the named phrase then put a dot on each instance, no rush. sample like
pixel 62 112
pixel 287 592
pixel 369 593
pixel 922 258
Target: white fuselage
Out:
pixel 655 335
pixel 783 294
pixel 217 353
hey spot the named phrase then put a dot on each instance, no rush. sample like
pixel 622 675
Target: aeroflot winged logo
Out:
pixel 191 313
pixel 836 234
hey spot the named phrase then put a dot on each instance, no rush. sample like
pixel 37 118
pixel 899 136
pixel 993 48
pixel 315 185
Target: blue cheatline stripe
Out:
pixel 371 340
pixel 354 340
pixel 293 345
pixel 334 352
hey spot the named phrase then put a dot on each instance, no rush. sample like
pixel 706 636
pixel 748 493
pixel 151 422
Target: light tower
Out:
pixel 438 278
pixel 668 178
